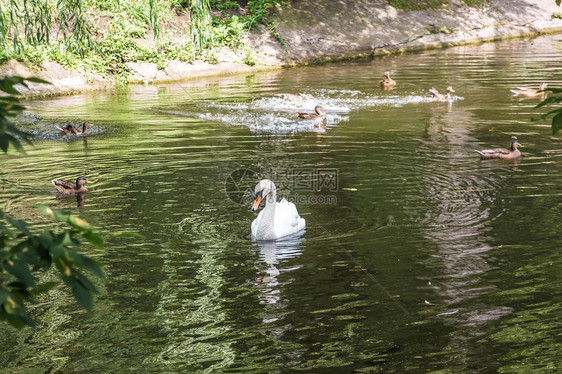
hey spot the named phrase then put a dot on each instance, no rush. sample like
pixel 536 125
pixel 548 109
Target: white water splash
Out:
pixel 274 114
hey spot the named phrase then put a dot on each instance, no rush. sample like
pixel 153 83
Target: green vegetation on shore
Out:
pixel 101 36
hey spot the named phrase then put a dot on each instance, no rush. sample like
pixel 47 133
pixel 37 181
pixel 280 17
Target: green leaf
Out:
pixel 3 294
pixel 45 210
pixel 61 216
pixel 80 291
pixel 78 223
pixel 74 258
pixel 553 90
pixel 16 108
pixel 4 143
pixel 67 239
pixel 92 266
pixel 56 250
pixel 12 310
pixel 8 88
pixel 556 123
pixel 93 237
pixel 554 111
pixel 20 225
pixel 549 100
pixel 20 270
pixel 45 287
pixel 45 238
pixel 10 99
pixel 37 80
pixel 34 253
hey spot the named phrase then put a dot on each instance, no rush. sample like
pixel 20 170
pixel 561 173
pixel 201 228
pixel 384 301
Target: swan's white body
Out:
pixel 278 219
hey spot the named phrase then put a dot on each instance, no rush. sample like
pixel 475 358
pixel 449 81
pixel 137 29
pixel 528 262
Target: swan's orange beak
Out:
pixel 256 203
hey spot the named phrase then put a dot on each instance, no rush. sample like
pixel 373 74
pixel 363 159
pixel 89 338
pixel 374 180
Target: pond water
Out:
pixel 417 255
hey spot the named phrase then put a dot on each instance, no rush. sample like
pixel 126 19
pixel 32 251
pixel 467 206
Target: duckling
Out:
pixel 67 187
pixel 319 113
pixel 502 153
pixel 434 95
pixel 529 92
pixel 387 82
pixel 70 129
pixel 296 99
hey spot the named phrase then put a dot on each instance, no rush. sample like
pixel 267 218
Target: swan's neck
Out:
pixel 266 229
pixel 270 201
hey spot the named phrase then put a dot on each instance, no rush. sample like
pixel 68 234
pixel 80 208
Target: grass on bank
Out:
pixel 101 36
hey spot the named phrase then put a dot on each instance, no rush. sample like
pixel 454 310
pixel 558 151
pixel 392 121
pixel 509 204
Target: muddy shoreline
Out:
pixel 316 32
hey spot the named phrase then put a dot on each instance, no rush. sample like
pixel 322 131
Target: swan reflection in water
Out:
pixel 275 255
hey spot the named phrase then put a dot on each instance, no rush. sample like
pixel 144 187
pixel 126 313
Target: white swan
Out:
pixel 277 219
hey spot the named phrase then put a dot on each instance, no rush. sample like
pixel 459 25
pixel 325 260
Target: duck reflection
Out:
pixel 464 202
pixel 64 200
pixel 276 255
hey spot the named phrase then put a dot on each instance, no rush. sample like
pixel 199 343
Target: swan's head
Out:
pixel 263 188
pixel 543 85
pixel 450 89
pixel 387 74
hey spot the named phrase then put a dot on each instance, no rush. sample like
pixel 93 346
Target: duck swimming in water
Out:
pixel 434 95
pixel 70 129
pixel 68 187
pixel 387 82
pixel 319 113
pixel 501 153
pixel 529 92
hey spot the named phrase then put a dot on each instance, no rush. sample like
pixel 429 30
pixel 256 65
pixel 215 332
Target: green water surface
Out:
pixel 417 256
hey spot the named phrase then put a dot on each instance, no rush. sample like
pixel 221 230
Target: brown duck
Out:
pixel 501 153
pixel 387 82
pixel 68 187
pixel 70 129
pixel 319 113
pixel 434 95
pixel 529 92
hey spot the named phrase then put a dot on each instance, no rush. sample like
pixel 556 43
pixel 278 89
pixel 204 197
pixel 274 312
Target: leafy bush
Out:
pixel 249 57
pixel 556 113
pixel 103 35
pixel 24 253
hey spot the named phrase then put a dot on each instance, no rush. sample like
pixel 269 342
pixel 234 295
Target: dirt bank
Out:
pixel 321 30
